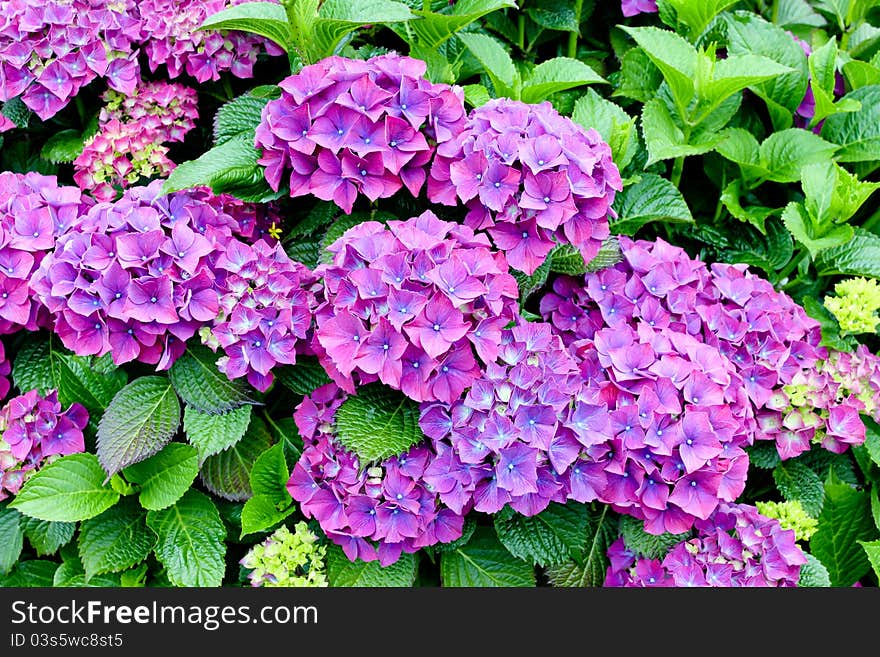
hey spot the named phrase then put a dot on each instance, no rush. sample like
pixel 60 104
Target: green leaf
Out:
pixel 549 538
pixel 813 574
pixel 344 573
pixel 62 147
pixel 858 132
pixel 140 420
pixel 833 194
pixel 201 385
pixel 16 111
pixel 672 55
pixel 830 328
pixel 609 254
pixel 861 74
pixel 756 215
pixel 286 432
pixel 528 284
pixel 378 423
pixel 190 544
pixel 227 474
pixel 11 538
pixel 46 537
pixel 737 72
pixel 484 561
pixel 266 19
pixel 166 476
pixel 115 540
pixel 872 439
pixel 638 78
pixel 303 378
pixel 845 520
pixel 652 198
pixel 476 95
pixel 495 60
pixel 270 474
pixel 34 573
pixel 872 549
pixel 240 116
pixel 338 18
pixel 799 483
pixel 785 153
pixel 228 167
pixel 859 256
pixel 433 28
pixel 648 546
pixel 262 513
pixel 800 225
pixel 566 259
pixel 590 570
pixel 611 121
pixel 797 13
pixel 697 15
pixel 69 489
pixel 554 75
pixel 664 139
pixel 211 434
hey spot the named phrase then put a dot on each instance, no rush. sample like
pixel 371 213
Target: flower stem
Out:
pixel 573 36
pixel 677 168
pixel 521 31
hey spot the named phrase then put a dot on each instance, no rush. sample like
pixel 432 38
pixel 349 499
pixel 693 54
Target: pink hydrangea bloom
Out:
pixel 634 7
pixel 166 109
pixel 35 431
pixel 344 127
pixel 530 177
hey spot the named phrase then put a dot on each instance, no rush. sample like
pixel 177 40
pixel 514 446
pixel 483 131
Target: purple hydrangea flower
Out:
pixel 373 511
pixel 735 547
pixel 410 304
pixel 33 432
pixel 344 127
pixel 634 7
pixel 530 177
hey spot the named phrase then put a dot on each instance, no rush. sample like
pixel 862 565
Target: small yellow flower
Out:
pixel 275 231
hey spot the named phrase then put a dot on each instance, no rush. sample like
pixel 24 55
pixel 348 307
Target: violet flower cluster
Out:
pixel 51 49
pixel 34 431
pixel 763 334
pixel 523 434
pixel 375 512
pixel 529 176
pixel 119 156
pixel 735 547
pixel 266 307
pixel 34 211
pixel 410 304
pixel 344 127
pixel 135 277
pixel 171 36
pixel 167 110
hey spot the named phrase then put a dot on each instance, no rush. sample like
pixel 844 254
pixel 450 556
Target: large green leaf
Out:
pixel 649 546
pixel 673 55
pixel 36 573
pixel 46 537
pixel 191 541
pixel 666 140
pixel 484 561
pixel 802 228
pixel 797 482
pixel 845 520
pixel 211 434
pixel 858 132
pixel 240 116
pixel 164 477
pixel 697 15
pixel 140 420
pixel 378 423
pixel 859 256
pixel 271 502
pixel 433 28
pixel 11 538
pixel 338 18
pixel 63 147
pixel 304 377
pixel 651 198
pixel 69 489
pixel 589 571
pixel 813 574
pixel 611 121
pixel 115 540
pixel 201 385
pixel 557 74
pixel 872 549
pixel 495 60
pixel 341 572
pixel 227 474
pixel 264 18
pixel 551 537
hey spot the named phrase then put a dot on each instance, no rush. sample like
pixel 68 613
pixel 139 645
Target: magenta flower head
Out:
pixel 735 547
pixel 118 156
pixel 266 306
pixel 35 431
pixel 135 277
pixel 345 127
pixel 373 511
pixel 413 304
pixel 34 212
pixel 166 109
pixel 5 369
pixel 171 36
pixel 635 7
pixel 50 50
pixel 531 177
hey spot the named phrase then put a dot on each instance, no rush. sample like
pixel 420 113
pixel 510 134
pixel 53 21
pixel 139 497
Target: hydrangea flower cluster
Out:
pixel 409 303
pixel 735 547
pixel 635 7
pixel 523 435
pixel 171 37
pixel 34 431
pixel 34 211
pixel 135 277
pixel 791 515
pixel 265 310
pixel 165 109
pixel 118 156
pixel 375 512
pixel 49 50
pixel 855 304
pixel 822 405
pixel 345 127
pixel 737 317
pixel 287 559
pixel 529 176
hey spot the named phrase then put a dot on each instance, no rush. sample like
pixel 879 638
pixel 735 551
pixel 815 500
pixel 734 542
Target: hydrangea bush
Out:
pixel 450 294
